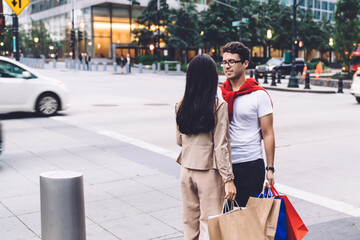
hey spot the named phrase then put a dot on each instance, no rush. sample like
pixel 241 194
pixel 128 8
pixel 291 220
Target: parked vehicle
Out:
pixel 279 64
pixel 355 86
pixel 24 90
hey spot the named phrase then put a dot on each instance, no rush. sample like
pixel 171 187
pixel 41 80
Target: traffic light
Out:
pixel 80 35
pixel 301 44
pixel 73 35
pixel 2 22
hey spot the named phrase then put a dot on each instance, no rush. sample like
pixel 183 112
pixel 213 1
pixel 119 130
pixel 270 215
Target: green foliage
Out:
pixel 148 18
pixel 216 22
pixel 347 27
pixel 29 47
pixel 309 31
pixel 184 29
pixel 323 60
pixel 146 59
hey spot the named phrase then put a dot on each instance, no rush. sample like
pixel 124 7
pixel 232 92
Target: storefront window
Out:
pixel 102 47
pixel 121 25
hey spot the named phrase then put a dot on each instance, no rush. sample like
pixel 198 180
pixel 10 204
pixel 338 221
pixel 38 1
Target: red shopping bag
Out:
pixel 295 227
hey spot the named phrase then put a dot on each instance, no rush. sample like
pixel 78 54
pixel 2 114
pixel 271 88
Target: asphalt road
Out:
pixel 317 138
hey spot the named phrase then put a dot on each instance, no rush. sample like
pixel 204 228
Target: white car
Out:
pixel 355 86
pixel 24 90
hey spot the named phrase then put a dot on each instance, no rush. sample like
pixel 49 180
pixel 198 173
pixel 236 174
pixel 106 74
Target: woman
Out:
pixel 203 133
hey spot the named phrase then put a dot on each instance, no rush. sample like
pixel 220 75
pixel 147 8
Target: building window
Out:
pixel 324 5
pixel 302 4
pixel 332 7
pixel 331 17
pixel 325 15
pixel 309 3
pixel 317 4
pixel 317 15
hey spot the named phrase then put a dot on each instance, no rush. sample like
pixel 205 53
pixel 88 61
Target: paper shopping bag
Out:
pixel 241 224
pixel 295 227
pixel 267 209
pixel 213 229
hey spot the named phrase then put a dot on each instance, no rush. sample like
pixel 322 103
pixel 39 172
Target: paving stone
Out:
pixel 139 227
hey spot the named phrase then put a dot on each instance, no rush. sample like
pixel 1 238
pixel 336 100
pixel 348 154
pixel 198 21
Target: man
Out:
pixel 128 60
pixel 251 120
pixel 87 60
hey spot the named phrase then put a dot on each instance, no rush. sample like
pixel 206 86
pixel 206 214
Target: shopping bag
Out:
pixel 295 227
pixel 237 224
pixel 281 233
pixel 213 227
pixel 267 208
pixel 241 224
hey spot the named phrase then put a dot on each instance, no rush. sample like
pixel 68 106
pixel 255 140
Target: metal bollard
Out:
pixel 251 73
pixel 62 206
pixel 307 80
pixel 127 68
pixel 265 78
pixel 158 67
pixel 178 68
pixel 340 85
pixel 96 66
pixel 90 66
pixel 273 77
pixel 154 68
pixel 79 65
pixel 66 63
pixel 279 76
pixel 140 68
pixel 104 66
pixel 115 66
pixel 257 75
pixel 54 63
pixel 166 68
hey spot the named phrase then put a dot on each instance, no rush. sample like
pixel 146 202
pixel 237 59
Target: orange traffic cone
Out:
pixel 318 70
pixel 304 71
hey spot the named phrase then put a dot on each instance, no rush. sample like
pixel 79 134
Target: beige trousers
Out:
pixel 202 196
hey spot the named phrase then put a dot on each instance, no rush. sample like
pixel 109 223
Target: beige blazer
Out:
pixel 205 151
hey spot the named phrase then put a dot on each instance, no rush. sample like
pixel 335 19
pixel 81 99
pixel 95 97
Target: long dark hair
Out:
pixel 196 113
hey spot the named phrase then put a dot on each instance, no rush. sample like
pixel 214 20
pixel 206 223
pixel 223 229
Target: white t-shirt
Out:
pixel 245 132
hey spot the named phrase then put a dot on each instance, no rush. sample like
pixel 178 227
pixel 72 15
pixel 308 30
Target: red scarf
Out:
pixel 229 96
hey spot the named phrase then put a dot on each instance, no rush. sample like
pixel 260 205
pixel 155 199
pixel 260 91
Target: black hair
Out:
pixel 239 48
pixel 196 113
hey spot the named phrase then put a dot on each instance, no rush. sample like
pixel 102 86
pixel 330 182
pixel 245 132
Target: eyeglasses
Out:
pixel 230 62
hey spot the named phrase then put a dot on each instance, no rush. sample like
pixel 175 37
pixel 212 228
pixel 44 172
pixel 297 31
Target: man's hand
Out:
pixel 270 178
pixel 230 190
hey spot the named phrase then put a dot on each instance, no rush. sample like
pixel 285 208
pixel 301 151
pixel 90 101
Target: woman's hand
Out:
pixel 230 190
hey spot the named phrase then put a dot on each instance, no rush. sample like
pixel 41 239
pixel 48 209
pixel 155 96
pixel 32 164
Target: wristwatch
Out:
pixel 270 168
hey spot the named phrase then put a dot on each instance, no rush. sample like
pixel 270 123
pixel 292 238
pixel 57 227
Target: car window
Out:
pixel 274 61
pixel 9 70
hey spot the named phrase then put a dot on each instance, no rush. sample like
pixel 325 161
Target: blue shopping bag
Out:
pixel 281 233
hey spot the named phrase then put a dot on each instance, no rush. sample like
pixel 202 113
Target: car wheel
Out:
pixel 47 104
pixel 358 99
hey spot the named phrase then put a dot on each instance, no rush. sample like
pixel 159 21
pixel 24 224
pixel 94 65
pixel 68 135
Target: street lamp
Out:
pixel 36 40
pixel 269 36
pixel 293 81
pixel 331 43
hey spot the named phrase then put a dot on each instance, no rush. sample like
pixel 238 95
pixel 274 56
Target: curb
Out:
pixel 299 90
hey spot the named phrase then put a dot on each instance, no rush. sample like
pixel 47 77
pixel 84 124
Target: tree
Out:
pixel 148 18
pixel 347 27
pixel 309 31
pixel 27 44
pixel 184 30
pixel 216 22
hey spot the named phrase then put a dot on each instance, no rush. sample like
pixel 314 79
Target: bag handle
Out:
pixel 266 193
pixel 274 191
pixel 227 208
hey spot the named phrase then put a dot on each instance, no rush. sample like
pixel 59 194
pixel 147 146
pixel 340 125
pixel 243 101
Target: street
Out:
pixel 120 133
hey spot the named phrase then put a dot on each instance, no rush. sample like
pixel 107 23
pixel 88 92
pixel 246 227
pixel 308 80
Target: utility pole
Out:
pixel 16 37
pixel 158 33
pixel 73 28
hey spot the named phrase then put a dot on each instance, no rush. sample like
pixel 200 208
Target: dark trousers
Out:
pixel 249 180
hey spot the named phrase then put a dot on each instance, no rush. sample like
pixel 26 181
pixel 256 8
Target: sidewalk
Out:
pixel 130 193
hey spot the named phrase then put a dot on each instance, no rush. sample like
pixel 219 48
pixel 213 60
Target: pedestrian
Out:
pixel 251 121
pixel 87 60
pixel 80 57
pixel 122 63
pixel 128 61
pixel 117 59
pixel 203 133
